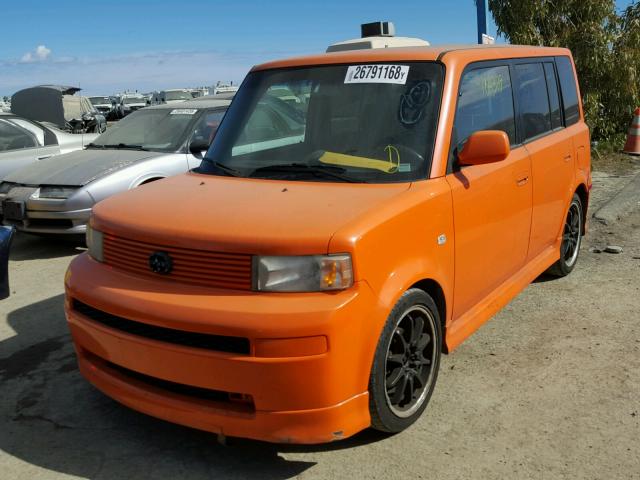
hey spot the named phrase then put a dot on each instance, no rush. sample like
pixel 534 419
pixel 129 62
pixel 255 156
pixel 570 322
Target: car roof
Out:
pixel 200 104
pixel 431 53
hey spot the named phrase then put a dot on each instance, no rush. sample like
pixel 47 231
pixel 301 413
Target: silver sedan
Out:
pixel 56 197
pixel 25 141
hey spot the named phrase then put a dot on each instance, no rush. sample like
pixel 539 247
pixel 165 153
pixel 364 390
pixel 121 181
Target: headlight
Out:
pixel 94 244
pixel 312 273
pixel 5 187
pixel 56 192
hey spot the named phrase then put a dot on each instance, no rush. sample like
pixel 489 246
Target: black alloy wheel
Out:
pixel 571 240
pixel 406 363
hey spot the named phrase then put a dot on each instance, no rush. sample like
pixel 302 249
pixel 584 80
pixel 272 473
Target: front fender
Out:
pixel 409 239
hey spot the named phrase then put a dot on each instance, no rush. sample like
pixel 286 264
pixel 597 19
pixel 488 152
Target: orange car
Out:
pixel 358 213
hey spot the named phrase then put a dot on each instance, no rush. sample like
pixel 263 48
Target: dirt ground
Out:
pixel 548 389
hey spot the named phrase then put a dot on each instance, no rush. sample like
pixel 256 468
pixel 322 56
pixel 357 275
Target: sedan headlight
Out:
pixel 56 192
pixel 5 187
pixel 95 244
pixel 309 273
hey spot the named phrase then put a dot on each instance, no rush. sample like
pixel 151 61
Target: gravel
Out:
pixel 549 388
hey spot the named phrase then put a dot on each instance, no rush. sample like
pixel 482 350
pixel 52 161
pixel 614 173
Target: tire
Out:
pixel 401 384
pixel 571 240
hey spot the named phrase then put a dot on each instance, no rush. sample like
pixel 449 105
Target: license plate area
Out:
pixel 13 210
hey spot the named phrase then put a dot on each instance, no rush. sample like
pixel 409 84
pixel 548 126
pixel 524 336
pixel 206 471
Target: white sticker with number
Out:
pixel 183 111
pixel 377 74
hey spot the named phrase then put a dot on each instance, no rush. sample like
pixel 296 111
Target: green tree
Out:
pixel 605 46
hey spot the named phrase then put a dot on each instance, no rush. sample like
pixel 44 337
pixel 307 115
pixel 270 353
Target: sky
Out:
pixel 110 46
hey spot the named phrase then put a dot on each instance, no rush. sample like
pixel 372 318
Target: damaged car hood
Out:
pixel 78 168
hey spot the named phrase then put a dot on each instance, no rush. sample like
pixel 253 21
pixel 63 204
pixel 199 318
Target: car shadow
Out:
pixel 52 418
pixel 31 247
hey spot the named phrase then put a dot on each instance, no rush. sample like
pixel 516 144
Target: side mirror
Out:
pixel 196 147
pixel 486 146
pixel 6 235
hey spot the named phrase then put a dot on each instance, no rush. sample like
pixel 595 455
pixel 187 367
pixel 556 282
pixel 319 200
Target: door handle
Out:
pixel 44 157
pixel 568 157
pixel 522 180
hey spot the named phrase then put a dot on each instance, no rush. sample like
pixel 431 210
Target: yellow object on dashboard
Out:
pixel 341 159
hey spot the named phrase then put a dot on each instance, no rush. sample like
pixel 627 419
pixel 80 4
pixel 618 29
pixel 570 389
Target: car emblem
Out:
pixel 160 262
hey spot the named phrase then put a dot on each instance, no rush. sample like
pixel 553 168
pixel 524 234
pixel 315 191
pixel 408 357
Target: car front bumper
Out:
pixel 304 378
pixel 49 216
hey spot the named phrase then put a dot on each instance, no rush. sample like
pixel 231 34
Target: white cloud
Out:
pixel 144 71
pixel 40 54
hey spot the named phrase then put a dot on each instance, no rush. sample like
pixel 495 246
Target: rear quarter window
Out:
pixel 569 91
pixel 554 95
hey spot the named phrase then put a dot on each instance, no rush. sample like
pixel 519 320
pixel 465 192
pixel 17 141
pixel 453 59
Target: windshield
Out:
pixel 364 123
pixel 177 96
pixel 160 130
pixel 129 100
pixel 99 100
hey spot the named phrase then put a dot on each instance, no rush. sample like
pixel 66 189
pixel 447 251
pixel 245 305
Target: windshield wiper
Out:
pixel 127 146
pixel 318 170
pixel 94 145
pixel 232 172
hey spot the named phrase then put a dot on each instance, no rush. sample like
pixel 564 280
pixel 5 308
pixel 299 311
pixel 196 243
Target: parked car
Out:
pixel 302 283
pixel 129 103
pixel 56 197
pixel 175 95
pixel 57 105
pixel 23 142
pixel 105 105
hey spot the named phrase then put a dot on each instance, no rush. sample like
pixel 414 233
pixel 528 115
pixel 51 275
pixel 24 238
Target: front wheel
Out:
pixel 571 240
pixel 406 363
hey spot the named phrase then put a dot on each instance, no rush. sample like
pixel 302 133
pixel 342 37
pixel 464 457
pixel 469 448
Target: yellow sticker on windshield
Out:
pixel 343 160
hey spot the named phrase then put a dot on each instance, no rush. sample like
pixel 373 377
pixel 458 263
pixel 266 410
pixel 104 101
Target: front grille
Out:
pixel 196 267
pixel 205 341
pixel 50 223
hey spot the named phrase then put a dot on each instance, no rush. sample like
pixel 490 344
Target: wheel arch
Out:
pixel 435 291
pixel 583 193
pixel 149 180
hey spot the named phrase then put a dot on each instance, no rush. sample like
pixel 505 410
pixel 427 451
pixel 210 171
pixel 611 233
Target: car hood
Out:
pixel 254 216
pixel 77 168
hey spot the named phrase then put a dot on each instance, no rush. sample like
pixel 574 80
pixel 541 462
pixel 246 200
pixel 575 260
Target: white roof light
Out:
pixel 377 35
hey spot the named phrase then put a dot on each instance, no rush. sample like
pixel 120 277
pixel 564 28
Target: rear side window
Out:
pixel 568 89
pixel 554 97
pixel 533 100
pixel 485 103
pixel 13 137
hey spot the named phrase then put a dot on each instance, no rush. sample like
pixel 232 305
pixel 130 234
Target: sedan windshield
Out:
pixel 357 123
pixel 99 100
pixel 177 96
pixel 129 100
pixel 160 130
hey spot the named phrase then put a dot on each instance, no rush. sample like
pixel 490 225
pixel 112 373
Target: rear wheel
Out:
pixel 571 240
pixel 406 363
